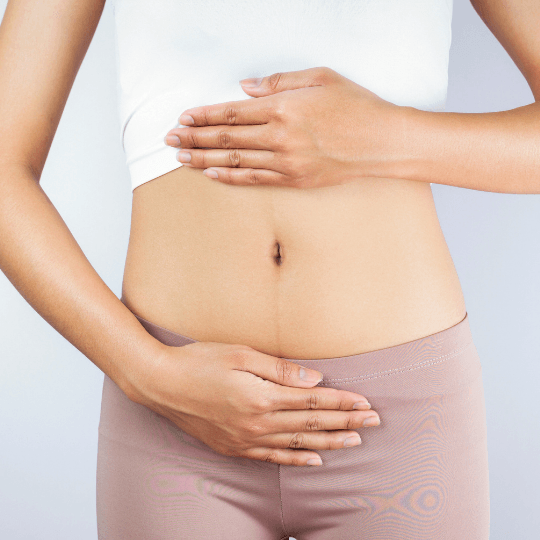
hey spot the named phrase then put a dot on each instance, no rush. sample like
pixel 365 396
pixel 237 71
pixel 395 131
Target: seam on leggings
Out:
pixel 281 502
pixel 395 371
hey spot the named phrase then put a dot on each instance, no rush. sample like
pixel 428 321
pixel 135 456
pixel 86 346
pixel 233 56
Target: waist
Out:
pixel 315 273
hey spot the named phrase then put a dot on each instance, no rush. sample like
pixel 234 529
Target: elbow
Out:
pixel 26 165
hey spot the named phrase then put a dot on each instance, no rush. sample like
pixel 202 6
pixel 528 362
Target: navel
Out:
pixel 278 254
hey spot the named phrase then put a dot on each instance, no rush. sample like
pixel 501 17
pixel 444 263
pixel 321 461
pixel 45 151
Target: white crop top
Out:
pixel 173 55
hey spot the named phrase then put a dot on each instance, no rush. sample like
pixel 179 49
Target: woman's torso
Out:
pixel 364 265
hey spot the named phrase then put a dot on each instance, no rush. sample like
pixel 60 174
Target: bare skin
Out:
pixel 41 48
pixel 359 267
pixel 363 265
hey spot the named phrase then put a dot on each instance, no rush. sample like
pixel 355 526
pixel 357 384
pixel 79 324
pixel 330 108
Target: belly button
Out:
pixel 277 255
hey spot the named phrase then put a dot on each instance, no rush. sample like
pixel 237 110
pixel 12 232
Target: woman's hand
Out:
pixel 308 128
pixel 242 402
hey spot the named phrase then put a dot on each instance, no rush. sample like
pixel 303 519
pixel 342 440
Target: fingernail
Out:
pixel 184 156
pixel 172 139
pixel 310 375
pixel 372 421
pixel 211 173
pixel 186 119
pixel 314 461
pixel 352 441
pixel 251 83
pixel 362 405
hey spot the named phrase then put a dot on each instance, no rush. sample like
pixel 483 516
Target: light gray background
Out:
pixel 50 393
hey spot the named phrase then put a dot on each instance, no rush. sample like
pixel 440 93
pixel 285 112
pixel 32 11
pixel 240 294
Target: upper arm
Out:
pixel 42 45
pixel 516 25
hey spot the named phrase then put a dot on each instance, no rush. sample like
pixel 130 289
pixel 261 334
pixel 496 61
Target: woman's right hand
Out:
pixel 241 402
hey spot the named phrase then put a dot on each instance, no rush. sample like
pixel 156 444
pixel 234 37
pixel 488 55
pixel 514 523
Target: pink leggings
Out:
pixel 422 474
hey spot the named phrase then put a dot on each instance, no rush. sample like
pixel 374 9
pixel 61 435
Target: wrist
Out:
pixel 138 370
pixel 400 159
pixel 418 144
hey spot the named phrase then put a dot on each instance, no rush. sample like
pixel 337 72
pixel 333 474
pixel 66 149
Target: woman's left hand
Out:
pixel 308 128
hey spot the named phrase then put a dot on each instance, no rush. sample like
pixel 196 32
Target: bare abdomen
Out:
pixel 297 273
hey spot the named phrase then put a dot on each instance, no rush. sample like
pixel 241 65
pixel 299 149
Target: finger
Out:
pixel 234 158
pixel 274 370
pixel 245 111
pixel 253 137
pixel 283 457
pixel 291 80
pixel 316 398
pixel 249 177
pixel 292 421
pixel 317 440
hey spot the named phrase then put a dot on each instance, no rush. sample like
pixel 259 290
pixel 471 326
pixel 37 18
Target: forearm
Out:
pixel 42 259
pixel 496 151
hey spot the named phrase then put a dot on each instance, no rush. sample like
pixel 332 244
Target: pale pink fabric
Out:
pixel 422 474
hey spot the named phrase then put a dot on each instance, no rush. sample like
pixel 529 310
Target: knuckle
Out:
pixel 313 423
pixel 224 139
pixel 283 369
pixel 253 176
pixel 206 117
pixel 273 400
pixel 325 73
pixel 253 429
pixel 231 115
pixel 267 403
pixel 260 405
pixel 350 422
pixel 239 356
pixel 278 111
pixel 313 401
pixel 203 160
pixel 274 80
pixel 297 441
pixel 285 162
pixel 271 457
pixel 192 139
pixel 234 157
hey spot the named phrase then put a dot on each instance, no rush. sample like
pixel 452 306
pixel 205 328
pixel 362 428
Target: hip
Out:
pixel 416 475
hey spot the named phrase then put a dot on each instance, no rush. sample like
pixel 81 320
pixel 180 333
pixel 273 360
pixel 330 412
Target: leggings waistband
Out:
pixel 415 354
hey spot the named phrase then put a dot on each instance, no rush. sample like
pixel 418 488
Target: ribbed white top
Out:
pixel 177 54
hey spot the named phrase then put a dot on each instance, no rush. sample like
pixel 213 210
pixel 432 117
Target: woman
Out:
pixel 231 287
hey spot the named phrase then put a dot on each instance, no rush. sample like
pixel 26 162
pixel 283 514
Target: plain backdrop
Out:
pixel 50 393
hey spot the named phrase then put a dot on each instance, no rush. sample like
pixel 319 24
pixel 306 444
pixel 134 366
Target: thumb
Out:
pixel 289 80
pixel 279 370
